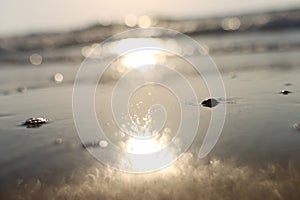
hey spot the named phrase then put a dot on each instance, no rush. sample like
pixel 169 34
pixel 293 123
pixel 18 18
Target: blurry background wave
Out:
pixel 58 31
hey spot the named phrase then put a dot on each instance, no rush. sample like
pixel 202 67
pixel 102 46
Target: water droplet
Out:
pixel 103 143
pixel 58 77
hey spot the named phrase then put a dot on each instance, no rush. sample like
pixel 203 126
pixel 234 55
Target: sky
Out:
pixel 29 16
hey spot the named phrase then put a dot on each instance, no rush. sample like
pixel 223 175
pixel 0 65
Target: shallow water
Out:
pixel 256 157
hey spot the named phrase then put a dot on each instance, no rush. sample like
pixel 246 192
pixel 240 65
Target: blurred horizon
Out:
pixel 32 16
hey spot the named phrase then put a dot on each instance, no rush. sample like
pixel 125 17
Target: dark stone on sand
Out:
pixel 35 122
pixel 21 89
pixel 285 92
pixel 209 103
pixel 296 127
pixel 90 145
pixel 101 143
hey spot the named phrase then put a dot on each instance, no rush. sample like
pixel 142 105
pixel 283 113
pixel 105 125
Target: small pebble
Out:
pixel 287 84
pixel 90 145
pixel 101 143
pixel 21 89
pixel 35 122
pixel 285 92
pixel 232 75
pixel 209 103
pixel 58 141
pixel 296 127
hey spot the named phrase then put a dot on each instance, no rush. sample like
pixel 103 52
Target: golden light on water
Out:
pixel 152 151
pixel 146 147
pixel 139 57
pixel 143 138
pixel 129 44
pixel 142 146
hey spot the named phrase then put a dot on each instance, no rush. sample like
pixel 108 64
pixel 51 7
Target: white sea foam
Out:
pixel 189 178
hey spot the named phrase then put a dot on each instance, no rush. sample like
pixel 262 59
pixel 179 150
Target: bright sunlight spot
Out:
pixel 133 44
pixel 140 58
pixel 142 146
pixel 147 146
pixel 138 52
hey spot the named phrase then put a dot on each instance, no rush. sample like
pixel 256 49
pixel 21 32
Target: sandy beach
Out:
pixel 256 157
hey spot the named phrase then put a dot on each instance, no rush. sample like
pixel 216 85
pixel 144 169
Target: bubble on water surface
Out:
pixel 58 77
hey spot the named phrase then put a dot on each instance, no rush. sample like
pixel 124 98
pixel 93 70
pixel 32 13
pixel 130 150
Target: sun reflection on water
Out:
pixel 154 149
pixel 146 143
pixel 147 150
pixel 142 146
pixel 140 58
pixel 151 160
pixel 133 56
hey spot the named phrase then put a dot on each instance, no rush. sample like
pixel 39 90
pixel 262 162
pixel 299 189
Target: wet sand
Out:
pixel 256 157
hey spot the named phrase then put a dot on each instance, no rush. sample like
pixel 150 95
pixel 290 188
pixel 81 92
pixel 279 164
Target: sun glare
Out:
pixel 146 147
pixel 140 58
pixel 138 52
pixel 142 146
